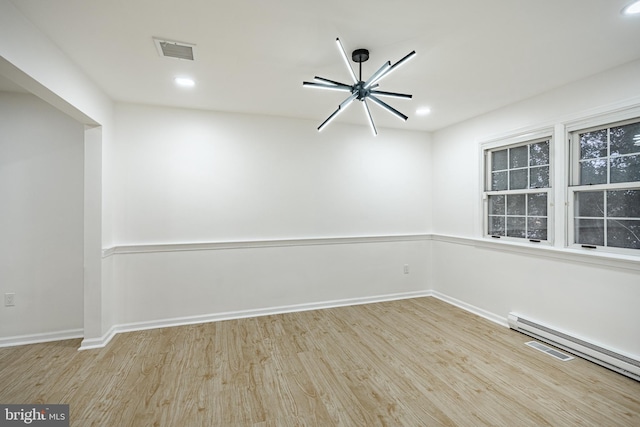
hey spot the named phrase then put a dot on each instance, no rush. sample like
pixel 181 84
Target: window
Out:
pixel 604 194
pixel 517 191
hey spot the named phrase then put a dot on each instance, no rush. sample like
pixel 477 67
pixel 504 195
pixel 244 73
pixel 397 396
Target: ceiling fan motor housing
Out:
pixel 361 91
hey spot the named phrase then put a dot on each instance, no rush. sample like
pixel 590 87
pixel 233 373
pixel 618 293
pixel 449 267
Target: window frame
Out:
pixel 573 132
pixel 515 141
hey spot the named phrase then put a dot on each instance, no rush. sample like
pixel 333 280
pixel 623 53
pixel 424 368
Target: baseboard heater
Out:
pixel 586 350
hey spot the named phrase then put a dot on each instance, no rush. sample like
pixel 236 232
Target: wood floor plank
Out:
pixel 401 363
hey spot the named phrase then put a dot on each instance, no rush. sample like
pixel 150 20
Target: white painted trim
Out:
pixel 108 252
pixel 481 221
pixel 40 338
pixel 208 246
pixel 560 175
pixel 502 321
pixel 629 262
pixel 94 343
pixel 521 137
pixel 583 256
pixel 531 136
pixel 602 117
pixel 216 317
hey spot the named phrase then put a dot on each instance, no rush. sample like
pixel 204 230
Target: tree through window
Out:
pixel 605 187
pixel 517 191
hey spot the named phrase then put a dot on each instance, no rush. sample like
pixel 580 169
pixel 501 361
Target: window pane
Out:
pixel 609 158
pixel 590 231
pixel 593 172
pixel 625 139
pixel 593 144
pixel 537 228
pixel 590 203
pixel 516 204
pixel 539 177
pixel 623 233
pixel 518 157
pixel 515 226
pixel 518 179
pixel 537 204
pixel 539 154
pixel 499 160
pixel 496 225
pixel 496 205
pixel 499 181
pixel 623 203
pixel 520 215
pixel 625 169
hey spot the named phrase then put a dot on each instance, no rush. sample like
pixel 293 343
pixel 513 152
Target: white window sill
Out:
pixel 587 256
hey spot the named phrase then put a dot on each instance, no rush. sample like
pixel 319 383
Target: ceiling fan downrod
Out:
pixel 359 56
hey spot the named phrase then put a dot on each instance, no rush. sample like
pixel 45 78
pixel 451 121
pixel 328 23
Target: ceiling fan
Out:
pixel 362 90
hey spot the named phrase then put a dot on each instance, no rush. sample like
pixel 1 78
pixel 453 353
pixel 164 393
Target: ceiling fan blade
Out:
pixel 333 82
pixel 342 88
pixel 395 66
pixel 388 107
pixel 373 126
pixel 377 74
pixel 343 106
pixel 346 60
pixel 392 94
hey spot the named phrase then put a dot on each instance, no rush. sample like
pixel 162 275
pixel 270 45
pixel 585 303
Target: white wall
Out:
pixel 188 176
pixel 41 219
pixel 193 176
pixel 180 285
pixel 31 60
pixel 596 301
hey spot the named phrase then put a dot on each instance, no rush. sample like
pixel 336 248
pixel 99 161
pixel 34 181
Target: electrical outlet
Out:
pixel 406 269
pixel 9 299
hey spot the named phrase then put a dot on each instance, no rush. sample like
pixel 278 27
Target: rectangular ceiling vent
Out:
pixel 173 49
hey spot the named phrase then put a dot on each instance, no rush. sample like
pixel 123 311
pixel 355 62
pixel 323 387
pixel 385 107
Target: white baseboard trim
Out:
pixel 96 343
pixel 216 317
pixel 93 343
pixel 40 338
pixel 502 321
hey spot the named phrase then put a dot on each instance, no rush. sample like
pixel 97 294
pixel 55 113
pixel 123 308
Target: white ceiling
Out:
pixel 252 55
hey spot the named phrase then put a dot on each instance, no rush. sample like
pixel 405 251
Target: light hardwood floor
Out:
pixel 416 362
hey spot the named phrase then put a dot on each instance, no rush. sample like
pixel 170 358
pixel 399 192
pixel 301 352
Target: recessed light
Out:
pixel 423 111
pixel 184 81
pixel 632 8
